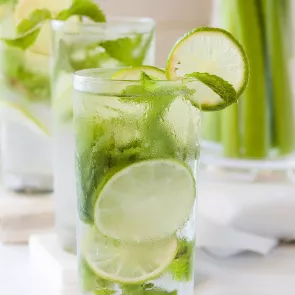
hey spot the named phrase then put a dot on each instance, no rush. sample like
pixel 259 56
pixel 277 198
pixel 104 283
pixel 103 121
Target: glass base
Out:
pixel 274 169
pixel 28 184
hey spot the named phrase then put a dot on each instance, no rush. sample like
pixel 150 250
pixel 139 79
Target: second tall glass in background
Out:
pixel 119 42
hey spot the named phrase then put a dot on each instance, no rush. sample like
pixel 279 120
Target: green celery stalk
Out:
pixel 230 133
pixel 211 130
pixel 281 88
pixel 286 17
pixel 254 107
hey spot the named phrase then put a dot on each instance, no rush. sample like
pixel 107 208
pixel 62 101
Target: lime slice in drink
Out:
pixel 213 51
pixel 135 72
pixel 124 263
pixel 145 201
pixel 19 114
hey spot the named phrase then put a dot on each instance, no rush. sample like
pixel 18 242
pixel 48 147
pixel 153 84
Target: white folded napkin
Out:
pixel 264 209
pixel 222 240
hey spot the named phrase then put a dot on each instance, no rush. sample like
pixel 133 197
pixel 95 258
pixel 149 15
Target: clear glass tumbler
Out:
pixel 77 46
pixel 136 165
pixel 25 110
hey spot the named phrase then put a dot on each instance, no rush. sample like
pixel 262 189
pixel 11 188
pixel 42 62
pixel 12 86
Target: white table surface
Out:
pixel 15 272
pixel 277 272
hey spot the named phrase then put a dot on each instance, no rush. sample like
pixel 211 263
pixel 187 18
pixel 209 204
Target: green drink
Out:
pixel 81 45
pixel 137 150
pixel 25 109
pixel 136 162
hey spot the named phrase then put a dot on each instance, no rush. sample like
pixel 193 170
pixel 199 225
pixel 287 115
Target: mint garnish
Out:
pixel 221 87
pixel 126 50
pixel 181 268
pixel 29 29
pixel 30 85
pixel 99 156
pixel 149 89
pixel 145 289
pixel 12 2
pixel 86 8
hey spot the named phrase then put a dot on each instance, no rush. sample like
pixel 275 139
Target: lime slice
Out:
pixel 213 51
pixel 134 73
pixel 124 263
pixel 145 201
pixel 16 113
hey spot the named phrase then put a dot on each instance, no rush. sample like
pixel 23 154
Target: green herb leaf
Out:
pixel 145 289
pixel 129 51
pixel 29 29
pixel 12 2
pixel 182 266
pixel 100 155
pixel 35 19
pixel 85 8
pixel 4 2
pixel 144 77
pixel 149 90
pixel 221 87
pixel 30 85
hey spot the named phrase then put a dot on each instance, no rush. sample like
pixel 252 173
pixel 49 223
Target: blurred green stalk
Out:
pixel 263 119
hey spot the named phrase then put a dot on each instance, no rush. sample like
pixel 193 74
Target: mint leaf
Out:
pixel 221 87
pixel 144 77
pixel 181 268
pixel 85 8
pixel 149 90
pixel 74 57
pixel 29 29
pixel 35 19
pixel 11 2
pixel 16 74
pixel 145 289
pixel 127 50
pixel 158 96
pixel 98 156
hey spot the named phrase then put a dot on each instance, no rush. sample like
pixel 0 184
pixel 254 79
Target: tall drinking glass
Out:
pixel 76 46
pixel 25 109
pixel 136 162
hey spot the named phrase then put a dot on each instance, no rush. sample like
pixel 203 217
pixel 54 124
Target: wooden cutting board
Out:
pixel 22 215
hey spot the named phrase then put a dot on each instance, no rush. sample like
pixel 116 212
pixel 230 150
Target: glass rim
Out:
pixel 85 75
pixel 89 80
pixel 120 20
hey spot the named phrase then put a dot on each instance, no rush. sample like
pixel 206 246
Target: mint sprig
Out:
pixel 218 85
pixel 29 29
pixel 148 89
pixel 83 8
